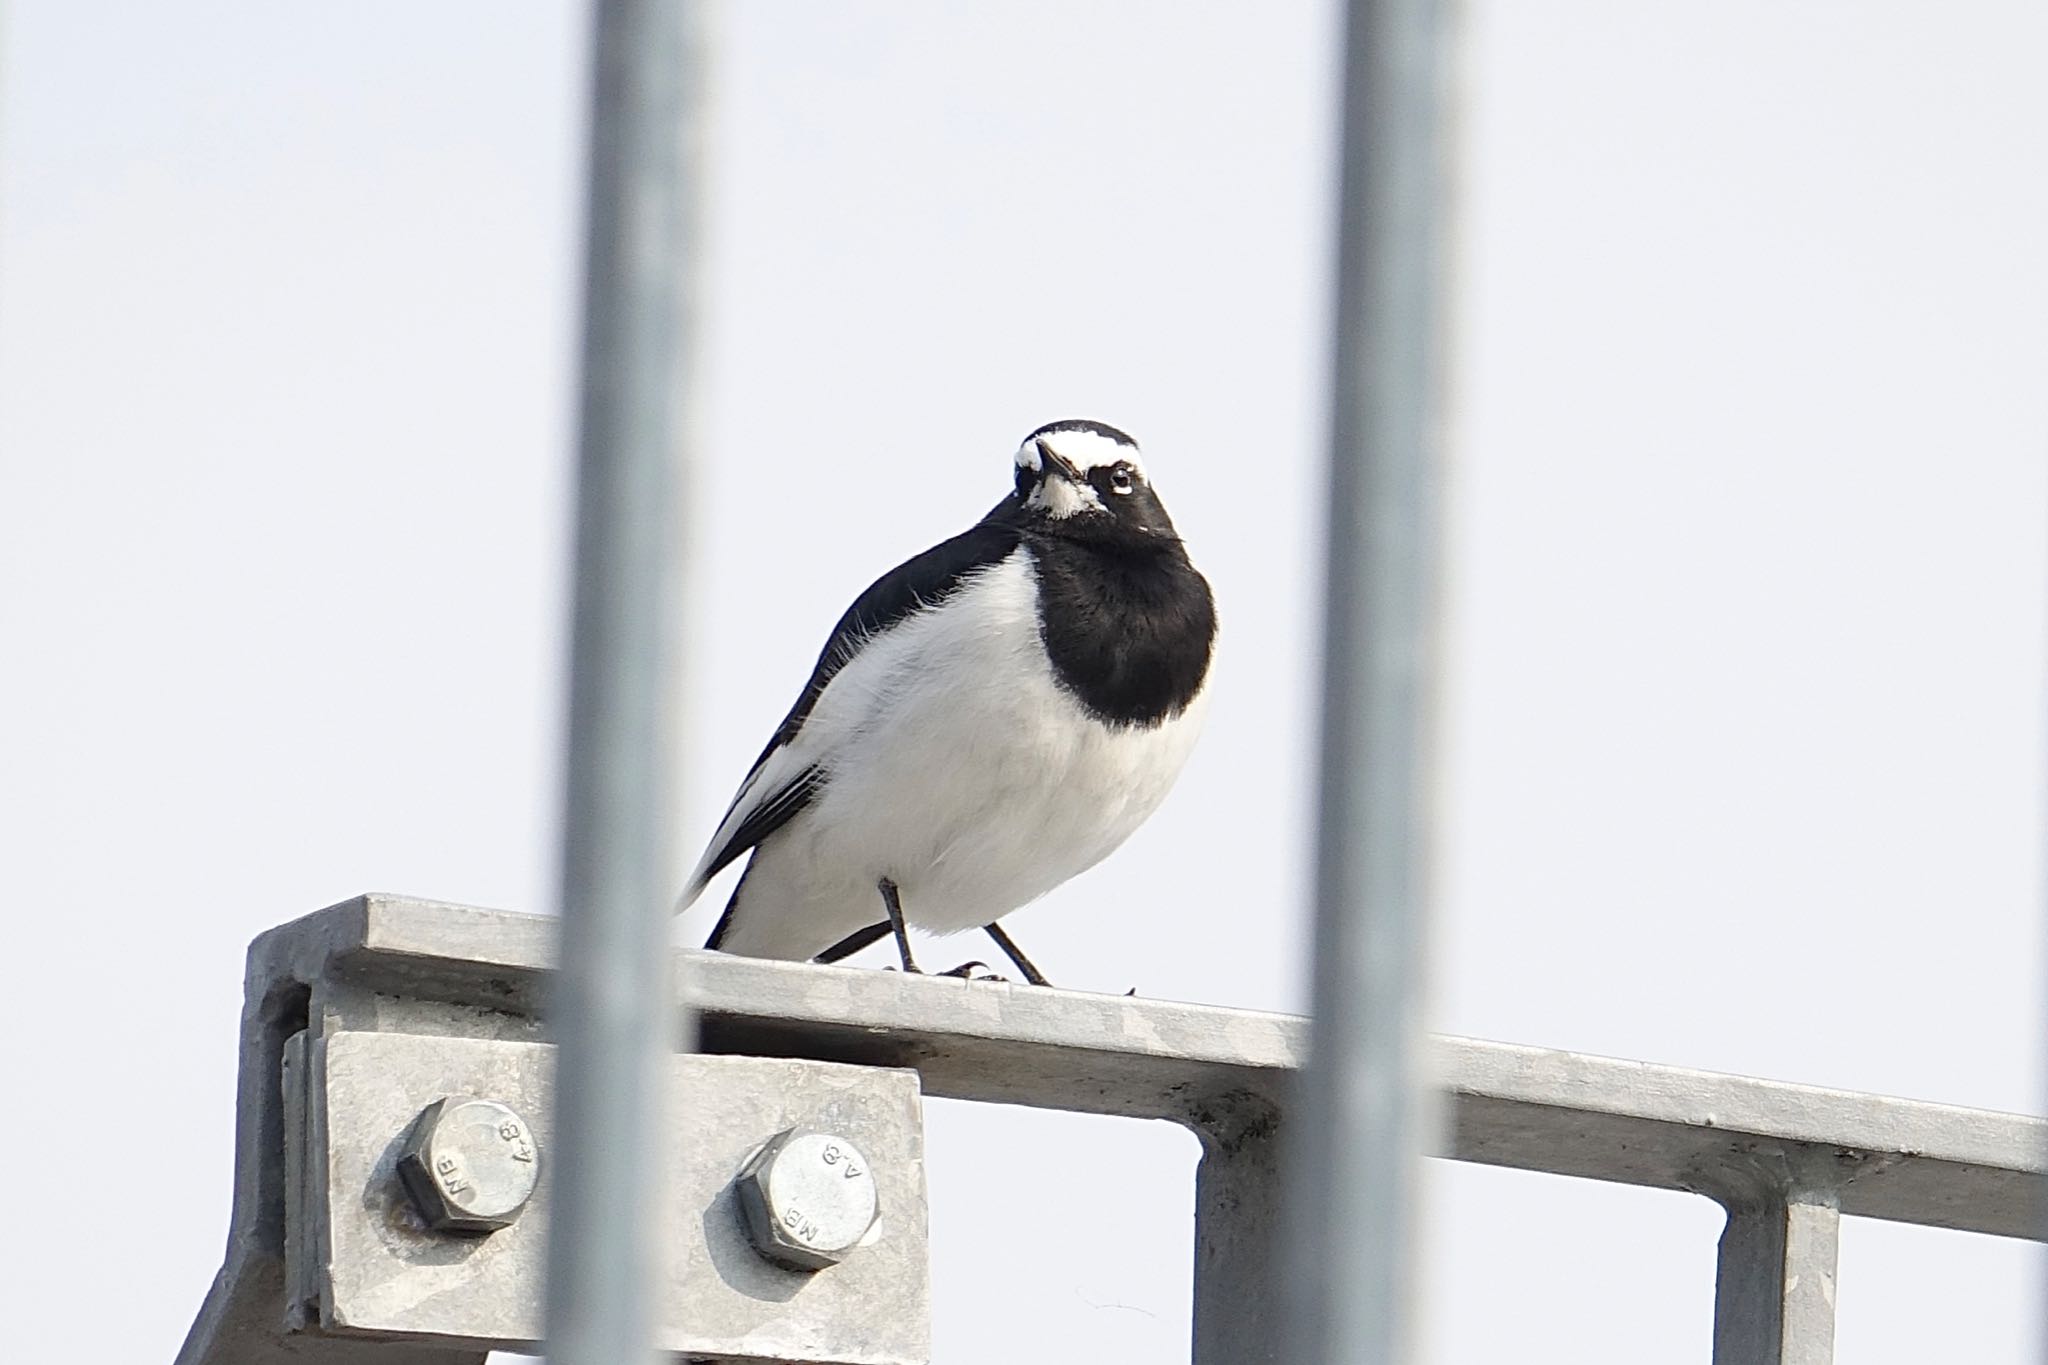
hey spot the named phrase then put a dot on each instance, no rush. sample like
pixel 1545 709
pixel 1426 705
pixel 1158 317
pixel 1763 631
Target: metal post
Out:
pixel 1774 1286
pixel 1238 1193
pixel 614 1004
pixel 1364 1118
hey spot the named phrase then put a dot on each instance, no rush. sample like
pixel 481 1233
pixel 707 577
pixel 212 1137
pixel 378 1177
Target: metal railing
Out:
pixel 1786 1161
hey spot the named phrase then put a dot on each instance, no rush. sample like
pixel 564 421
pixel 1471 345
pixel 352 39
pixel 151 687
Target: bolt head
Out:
pixel 807 1198
pixel 470 1165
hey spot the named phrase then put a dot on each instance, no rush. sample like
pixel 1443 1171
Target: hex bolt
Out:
pixel 807 1199
pixel 470 1165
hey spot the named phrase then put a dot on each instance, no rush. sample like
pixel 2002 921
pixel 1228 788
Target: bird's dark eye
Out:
pixel 1120 479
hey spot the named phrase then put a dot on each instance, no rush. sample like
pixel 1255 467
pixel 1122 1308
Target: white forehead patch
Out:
pixel 1083 449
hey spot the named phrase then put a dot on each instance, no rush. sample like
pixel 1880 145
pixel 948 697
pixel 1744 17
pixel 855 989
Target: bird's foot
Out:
pixel 974 971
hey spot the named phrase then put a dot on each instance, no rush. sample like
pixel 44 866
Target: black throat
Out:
pixel 1129 628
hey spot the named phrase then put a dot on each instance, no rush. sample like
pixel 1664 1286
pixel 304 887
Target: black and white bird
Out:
pixel 988 719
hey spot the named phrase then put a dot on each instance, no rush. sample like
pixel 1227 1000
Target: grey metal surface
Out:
pixel 1238 1190
pixel 249 1315
pixel 1506 1104
pixel 1774 1289
pixel 809 1198
pixel 1367 1112
pixel 613 1000
pixel 469 1164
pixel 383 1273
pixel 301 1251
pixel 447 972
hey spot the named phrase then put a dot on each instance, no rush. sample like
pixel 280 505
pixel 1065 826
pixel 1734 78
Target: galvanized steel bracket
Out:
pixel 370 1266
pixel 330 1261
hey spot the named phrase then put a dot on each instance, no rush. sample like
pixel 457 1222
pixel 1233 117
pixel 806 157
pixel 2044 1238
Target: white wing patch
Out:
pixel 778 772
pixel 867 669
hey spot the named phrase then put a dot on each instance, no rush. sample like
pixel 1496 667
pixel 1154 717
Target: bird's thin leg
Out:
pixel 853 943
pixel 894 906
pixel 1016 954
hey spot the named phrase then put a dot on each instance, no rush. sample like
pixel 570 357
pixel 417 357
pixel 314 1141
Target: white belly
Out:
pixel 973 799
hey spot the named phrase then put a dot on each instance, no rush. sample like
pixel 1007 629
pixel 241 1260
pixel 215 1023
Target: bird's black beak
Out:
pixel 1049 463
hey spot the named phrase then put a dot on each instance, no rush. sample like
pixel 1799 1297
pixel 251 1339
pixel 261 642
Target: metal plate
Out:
pixel 381 1271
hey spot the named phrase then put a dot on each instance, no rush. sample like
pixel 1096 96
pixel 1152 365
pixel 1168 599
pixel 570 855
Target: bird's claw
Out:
pixel 974 971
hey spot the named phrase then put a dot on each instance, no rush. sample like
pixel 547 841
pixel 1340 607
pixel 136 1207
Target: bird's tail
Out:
pixel 719 930
pixel 764 918
pixel 693 889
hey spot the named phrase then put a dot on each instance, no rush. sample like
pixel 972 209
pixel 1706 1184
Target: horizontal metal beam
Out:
pixel 1634 1123
pixel 1225 1072
pixel 386 964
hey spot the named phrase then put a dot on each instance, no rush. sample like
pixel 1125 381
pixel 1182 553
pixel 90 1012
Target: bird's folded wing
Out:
pixel 782 783
pixel 793 768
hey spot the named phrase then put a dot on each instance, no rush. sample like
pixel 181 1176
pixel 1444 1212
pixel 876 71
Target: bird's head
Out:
pixel 1088 479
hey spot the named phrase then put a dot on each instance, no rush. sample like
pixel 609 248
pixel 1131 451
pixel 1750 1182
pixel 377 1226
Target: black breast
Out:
pixel 1129 631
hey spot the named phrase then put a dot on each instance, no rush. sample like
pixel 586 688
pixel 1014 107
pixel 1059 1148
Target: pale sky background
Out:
pixel 1745 751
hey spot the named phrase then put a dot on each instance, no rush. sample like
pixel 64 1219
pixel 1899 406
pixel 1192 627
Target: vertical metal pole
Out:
pixel 1774 1287
pixel 1238 1198
pixel 614 1003
pixel 1364 1116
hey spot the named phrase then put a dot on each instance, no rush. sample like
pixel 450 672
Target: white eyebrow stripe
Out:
pixel 1085 450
